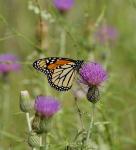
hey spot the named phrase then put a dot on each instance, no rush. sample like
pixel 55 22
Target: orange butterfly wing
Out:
pixel 60 71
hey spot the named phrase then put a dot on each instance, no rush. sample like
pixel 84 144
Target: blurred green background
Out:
pixel 19 35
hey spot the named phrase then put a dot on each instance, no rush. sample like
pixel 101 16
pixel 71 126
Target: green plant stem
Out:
pixel 40 141
pixel 28 122
pixel 90 129
pixel 29 125
pixel 46 141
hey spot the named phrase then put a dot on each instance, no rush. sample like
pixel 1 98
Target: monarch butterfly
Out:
pixel 60 72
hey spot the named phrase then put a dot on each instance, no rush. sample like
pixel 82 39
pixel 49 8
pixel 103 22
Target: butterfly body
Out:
pixel 60 72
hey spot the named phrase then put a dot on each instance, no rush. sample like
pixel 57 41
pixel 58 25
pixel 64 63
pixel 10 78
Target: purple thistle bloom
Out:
pixel 63 5
pixel 92 74
pixel 46 106
pixel 8 63
pixel 106 34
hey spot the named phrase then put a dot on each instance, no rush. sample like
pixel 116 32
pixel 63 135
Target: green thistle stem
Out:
pixel 46 141
pixel 28 122
pixel 40 141
pixel 90 129
pixel 29 125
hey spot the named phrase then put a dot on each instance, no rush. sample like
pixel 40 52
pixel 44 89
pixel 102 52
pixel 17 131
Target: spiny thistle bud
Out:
pixel 34 140
pixel 93 94
pixel 36 124
pixel 40 124
pixel 45 125
pixel 25 103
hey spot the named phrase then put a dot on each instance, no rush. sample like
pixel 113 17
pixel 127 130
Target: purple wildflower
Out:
pixel 63 5
pixel 8 63
pixel 106 34
pixel 46 106
pixel 92 74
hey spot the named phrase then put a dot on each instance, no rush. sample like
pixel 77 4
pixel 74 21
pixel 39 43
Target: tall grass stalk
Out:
pixel 107 127
pixel 79 114
pixel 41 23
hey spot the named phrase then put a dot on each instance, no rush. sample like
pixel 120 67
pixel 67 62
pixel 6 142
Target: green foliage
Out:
pixel 115 121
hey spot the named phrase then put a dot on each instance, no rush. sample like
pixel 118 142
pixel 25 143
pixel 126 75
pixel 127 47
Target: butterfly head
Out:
pixel 79 64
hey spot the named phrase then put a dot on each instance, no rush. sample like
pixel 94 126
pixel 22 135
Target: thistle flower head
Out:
pixel 106 33
pixel 8 63
pixel 63 5
pixel 46 106
pixel 92 74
